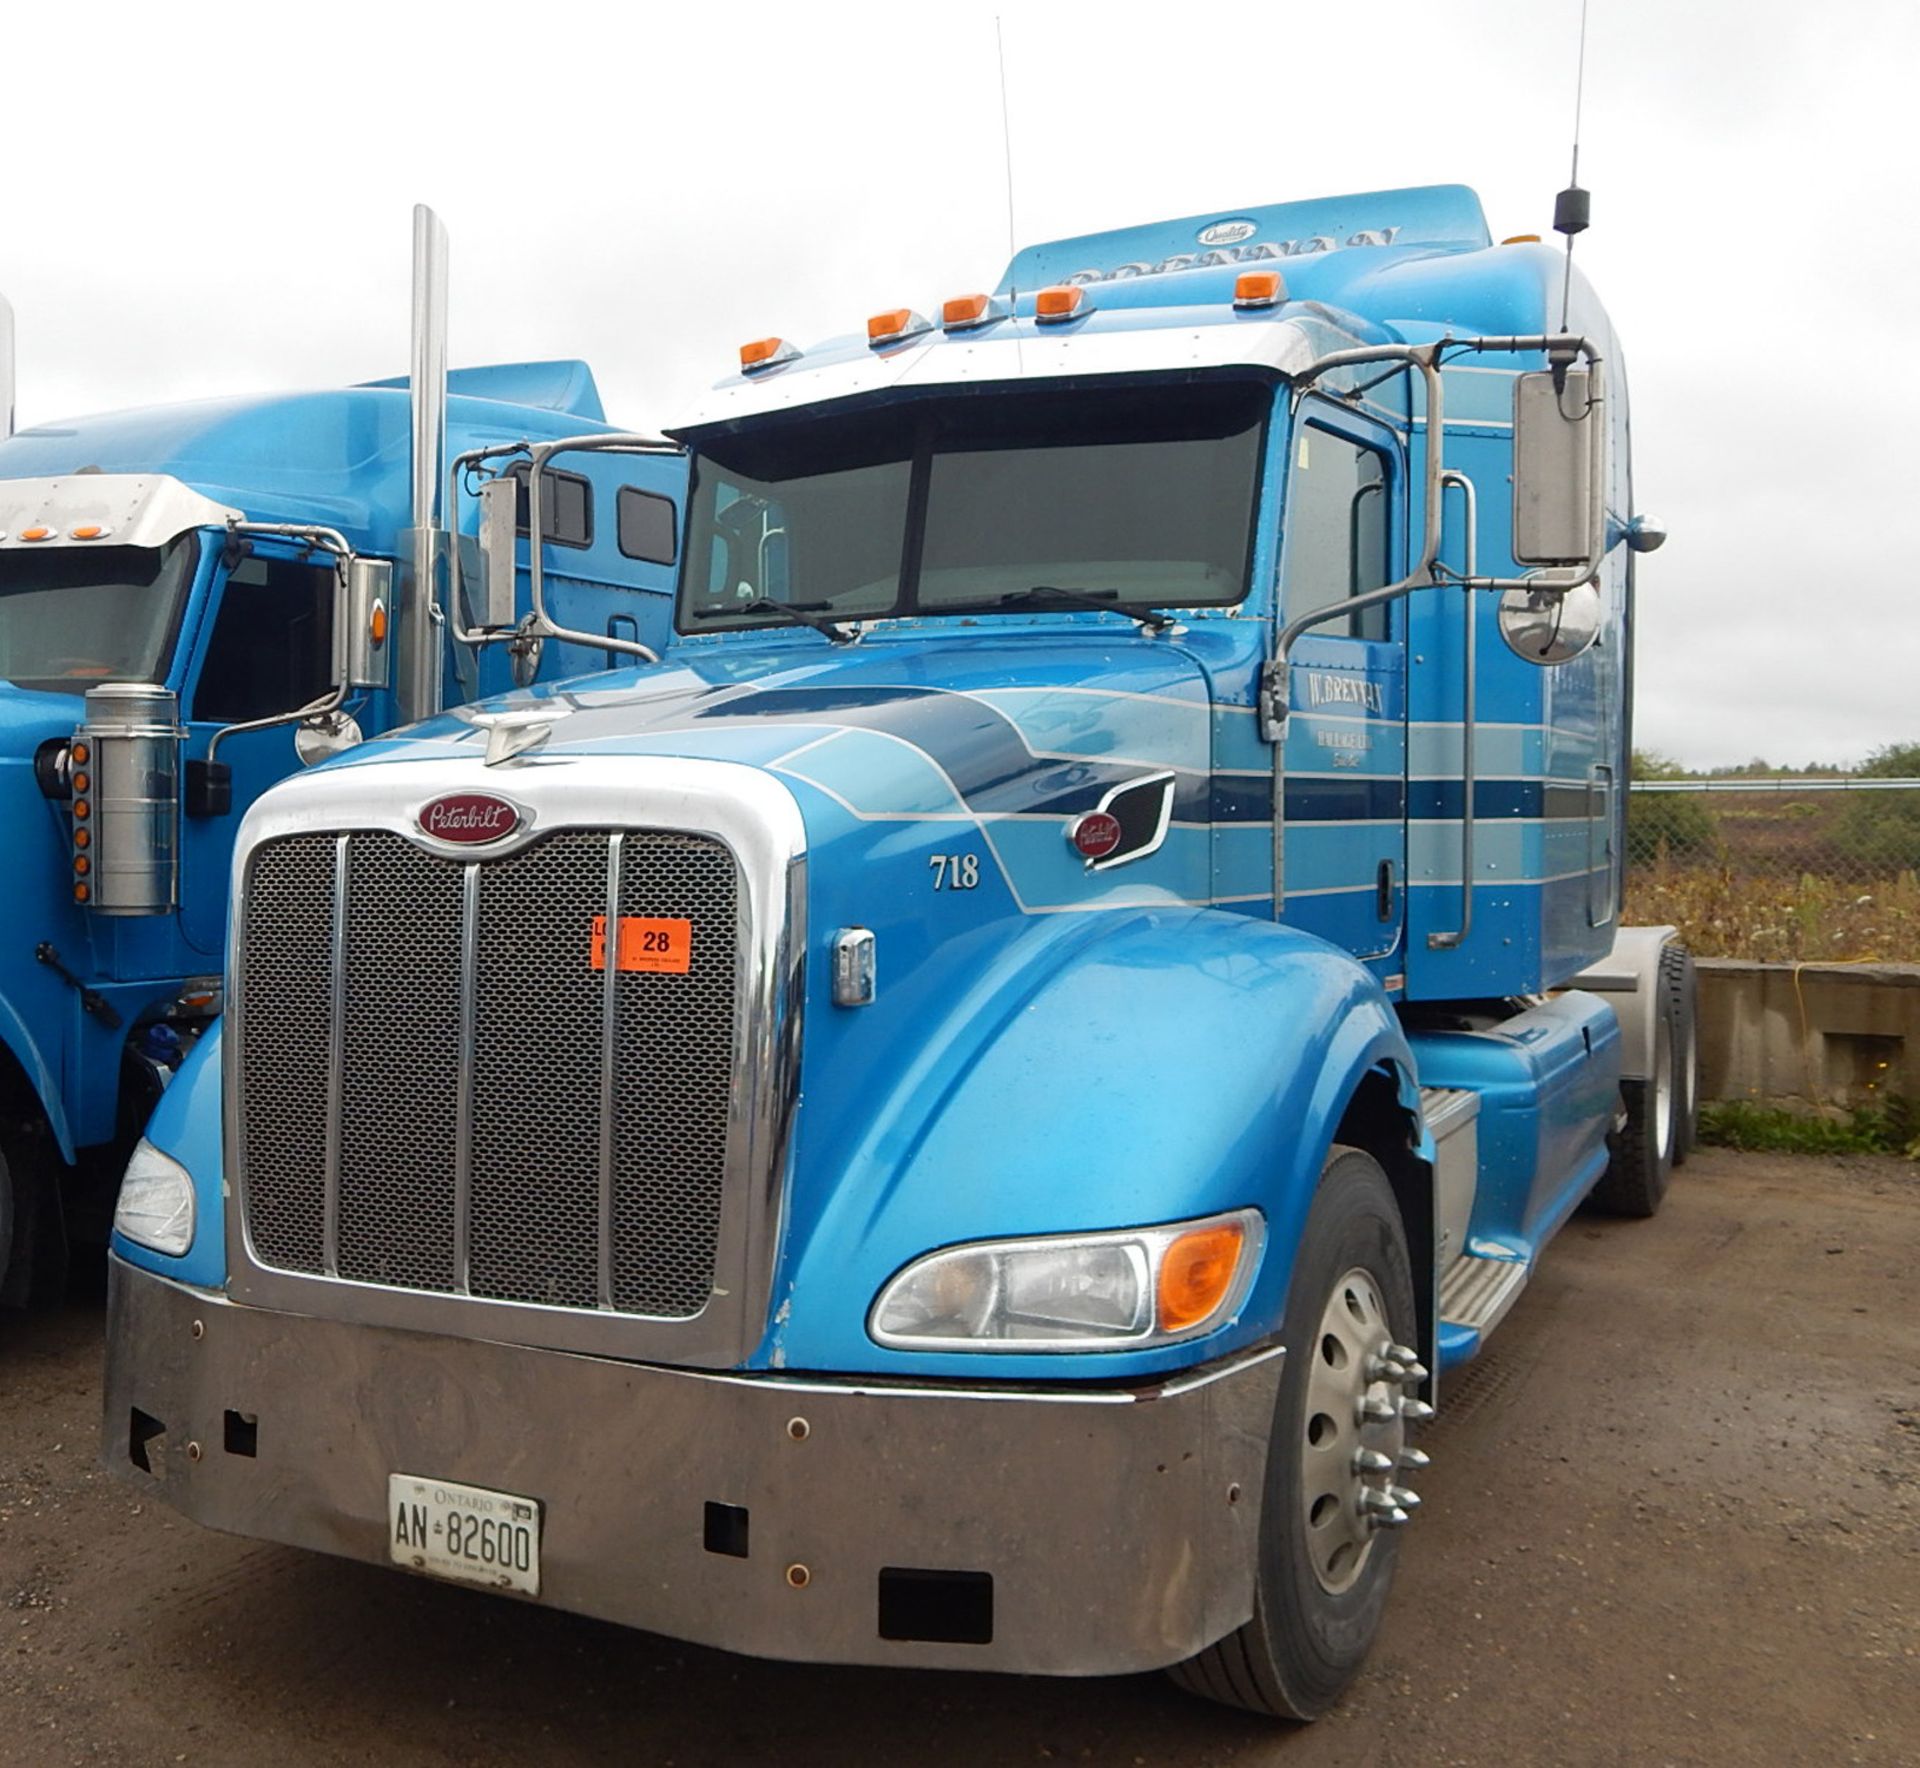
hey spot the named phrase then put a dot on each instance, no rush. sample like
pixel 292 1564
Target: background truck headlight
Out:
pixel 156 1202
pixel 1074 1292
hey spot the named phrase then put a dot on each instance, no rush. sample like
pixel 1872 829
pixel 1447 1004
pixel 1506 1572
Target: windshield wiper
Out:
pixel 800 613
pixel 1106 600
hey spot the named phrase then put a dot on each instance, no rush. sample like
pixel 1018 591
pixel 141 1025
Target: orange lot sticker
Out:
pixel 657 945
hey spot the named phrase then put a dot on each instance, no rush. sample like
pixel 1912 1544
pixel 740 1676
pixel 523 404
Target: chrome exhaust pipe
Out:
pixel 422 639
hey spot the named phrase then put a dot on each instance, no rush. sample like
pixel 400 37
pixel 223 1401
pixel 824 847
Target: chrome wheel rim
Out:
pixel 1353 1436
pixel 1663 1087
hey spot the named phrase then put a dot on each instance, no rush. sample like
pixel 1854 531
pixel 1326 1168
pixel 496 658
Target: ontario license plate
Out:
pixel 464 1532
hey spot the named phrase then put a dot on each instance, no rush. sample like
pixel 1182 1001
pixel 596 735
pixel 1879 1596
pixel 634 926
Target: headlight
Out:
pixel 156 1201
pixel 1079 1292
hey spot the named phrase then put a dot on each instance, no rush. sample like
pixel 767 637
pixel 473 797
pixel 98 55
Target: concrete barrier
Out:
pixel 1809 1036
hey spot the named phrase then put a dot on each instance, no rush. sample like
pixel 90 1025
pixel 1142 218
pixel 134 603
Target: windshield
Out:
pixel 71 616
pixel 1138 495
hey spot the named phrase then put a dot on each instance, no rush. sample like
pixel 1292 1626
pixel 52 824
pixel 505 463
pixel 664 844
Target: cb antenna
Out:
pixel 1572 208
pixel 1006 130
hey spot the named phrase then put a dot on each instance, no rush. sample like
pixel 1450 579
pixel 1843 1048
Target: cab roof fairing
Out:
pixel 337 457
pixel 1017 351
pixel 1446 217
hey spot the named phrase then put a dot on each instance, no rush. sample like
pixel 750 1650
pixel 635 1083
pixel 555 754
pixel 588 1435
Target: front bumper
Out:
pixel 1119 1528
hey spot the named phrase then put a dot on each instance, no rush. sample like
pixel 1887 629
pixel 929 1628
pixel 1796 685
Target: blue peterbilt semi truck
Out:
pixel 962 1118
pixel 195 598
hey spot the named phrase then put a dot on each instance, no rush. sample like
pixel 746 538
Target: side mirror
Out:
pixel 368 623
pixel 1559 476
pixel 1646 534
pixel 324 735
pixel 1549 626
pixel 499 551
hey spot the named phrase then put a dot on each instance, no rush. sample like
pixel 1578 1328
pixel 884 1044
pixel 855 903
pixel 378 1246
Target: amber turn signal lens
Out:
pixel 377 626
pixel 1196 1273
pixel 1059 302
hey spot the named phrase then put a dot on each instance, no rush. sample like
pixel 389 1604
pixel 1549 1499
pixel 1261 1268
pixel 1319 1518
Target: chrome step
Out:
pixel 1477 1292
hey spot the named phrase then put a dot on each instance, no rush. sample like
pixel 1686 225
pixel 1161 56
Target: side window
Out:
pixel 272 644
pixel 1336 521
pixel 648 527
pixel 566 506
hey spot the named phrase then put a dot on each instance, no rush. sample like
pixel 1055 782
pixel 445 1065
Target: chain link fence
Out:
pixel 1789 870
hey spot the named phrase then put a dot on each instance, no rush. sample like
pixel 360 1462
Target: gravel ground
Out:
pixel 1674 1516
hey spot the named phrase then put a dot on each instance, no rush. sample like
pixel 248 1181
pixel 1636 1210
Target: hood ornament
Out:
pixel 512 734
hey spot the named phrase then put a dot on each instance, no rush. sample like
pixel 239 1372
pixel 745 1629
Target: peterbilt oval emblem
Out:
pixel 468 818
pixel 1228 233
pixel 1094 835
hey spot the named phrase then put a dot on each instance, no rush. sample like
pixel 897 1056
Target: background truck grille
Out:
pixel 438 1094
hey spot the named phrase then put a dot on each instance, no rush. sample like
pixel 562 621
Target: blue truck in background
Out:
pixel 193 600
pixel 962 1117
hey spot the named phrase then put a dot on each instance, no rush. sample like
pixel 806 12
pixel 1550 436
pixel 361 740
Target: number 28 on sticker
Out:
pixel 654 944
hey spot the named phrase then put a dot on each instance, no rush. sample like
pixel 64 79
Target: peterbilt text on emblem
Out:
pixel 468 818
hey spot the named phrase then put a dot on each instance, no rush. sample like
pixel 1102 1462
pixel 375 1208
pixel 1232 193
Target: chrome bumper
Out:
pixel 1118 1529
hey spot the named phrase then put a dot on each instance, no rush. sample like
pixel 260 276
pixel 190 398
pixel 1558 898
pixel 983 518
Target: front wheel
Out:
pixel 1329 1533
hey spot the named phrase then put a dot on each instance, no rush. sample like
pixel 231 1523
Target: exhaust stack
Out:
pixel 427 544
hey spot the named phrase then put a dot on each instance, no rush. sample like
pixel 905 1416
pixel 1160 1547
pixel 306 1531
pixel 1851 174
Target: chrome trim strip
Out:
pixel 463 1083
pixel 755 816
pixel 609 1042
pixel 336 1064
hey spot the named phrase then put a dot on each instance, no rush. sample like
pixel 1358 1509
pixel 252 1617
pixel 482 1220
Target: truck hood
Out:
pixel 28 718
pixel 1041 722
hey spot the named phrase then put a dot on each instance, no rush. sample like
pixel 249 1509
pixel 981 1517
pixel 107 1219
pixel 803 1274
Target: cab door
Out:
pixel 265 647
pixel 1344 840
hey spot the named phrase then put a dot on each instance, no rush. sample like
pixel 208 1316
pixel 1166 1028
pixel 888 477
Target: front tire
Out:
pixel 1329 1531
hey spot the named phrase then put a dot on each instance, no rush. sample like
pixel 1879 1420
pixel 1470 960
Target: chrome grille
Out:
pixel 442 1092
pixel 292 893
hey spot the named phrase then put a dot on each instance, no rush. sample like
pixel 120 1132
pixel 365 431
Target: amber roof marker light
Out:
pixel 764 353
pixel 895 326
pixel 1064 301
pixel 1259 288
pixel 964 312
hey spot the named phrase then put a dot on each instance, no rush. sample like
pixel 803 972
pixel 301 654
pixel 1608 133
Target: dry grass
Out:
pixel 1726 912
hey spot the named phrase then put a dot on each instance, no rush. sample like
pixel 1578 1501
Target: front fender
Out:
pixel 25 1050
pixel 1177 1063
pixel 186 1125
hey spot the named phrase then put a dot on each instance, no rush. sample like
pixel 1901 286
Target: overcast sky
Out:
pixel 209 199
